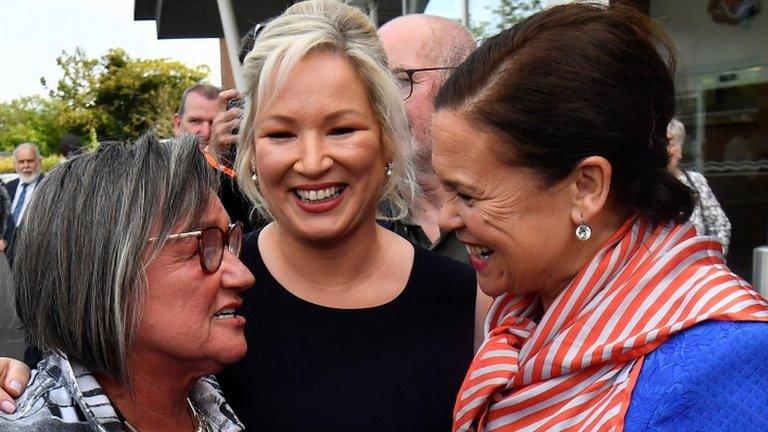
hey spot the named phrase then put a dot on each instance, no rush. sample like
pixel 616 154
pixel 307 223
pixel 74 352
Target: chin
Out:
pixel 324 231
pixel 28 178
pixel 493 289
pixel 494 281
pixel 232 354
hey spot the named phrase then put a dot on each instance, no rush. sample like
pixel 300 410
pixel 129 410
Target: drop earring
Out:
pixel 583 231
pixel 388 169
pixel 253 175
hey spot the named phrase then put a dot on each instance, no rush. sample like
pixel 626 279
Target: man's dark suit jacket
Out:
pixel 10 226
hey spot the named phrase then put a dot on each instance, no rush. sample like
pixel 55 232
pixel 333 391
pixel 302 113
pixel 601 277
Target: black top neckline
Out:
pixel 252 240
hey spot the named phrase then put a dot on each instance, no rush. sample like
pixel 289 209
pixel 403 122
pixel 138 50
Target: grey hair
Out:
pixel 83 248
pixel 329 26
pixel 27 145
pixel 676 131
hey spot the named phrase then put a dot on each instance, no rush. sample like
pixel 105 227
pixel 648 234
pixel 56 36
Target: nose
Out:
pixel 448 218
pixel 205 131
pixel 234 274
pixel 313 160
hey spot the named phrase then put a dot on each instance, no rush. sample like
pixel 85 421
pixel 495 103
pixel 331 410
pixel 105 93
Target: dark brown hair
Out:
pixel 574 81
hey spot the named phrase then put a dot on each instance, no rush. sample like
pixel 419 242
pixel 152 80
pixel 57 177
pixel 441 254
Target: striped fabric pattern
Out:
pixel 573 368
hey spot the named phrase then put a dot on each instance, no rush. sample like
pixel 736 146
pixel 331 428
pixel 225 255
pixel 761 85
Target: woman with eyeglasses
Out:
pixel 127 273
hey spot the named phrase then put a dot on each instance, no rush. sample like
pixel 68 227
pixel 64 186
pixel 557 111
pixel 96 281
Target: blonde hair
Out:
pixel 328 26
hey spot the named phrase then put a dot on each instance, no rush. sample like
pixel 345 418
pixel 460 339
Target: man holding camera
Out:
pixel 213 116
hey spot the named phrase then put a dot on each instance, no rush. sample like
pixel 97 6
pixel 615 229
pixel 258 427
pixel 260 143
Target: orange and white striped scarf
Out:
pixel 574 368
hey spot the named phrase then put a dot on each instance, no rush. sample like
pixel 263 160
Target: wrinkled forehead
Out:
pixel 198 105
pixel 25 154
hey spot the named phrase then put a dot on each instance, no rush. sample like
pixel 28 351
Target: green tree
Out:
pixel 119 97
pixel 505 15
pixel 111 97
pixel 30 119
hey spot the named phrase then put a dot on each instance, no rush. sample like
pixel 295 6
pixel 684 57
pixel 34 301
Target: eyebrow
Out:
pixel 282 118
pixel 341 113
pixel 457 184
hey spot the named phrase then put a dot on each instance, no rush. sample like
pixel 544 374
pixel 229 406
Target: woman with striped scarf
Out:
pixel 610 313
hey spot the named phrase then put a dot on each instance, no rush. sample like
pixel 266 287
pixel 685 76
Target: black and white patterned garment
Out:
pixel 708 217
pixel 63 396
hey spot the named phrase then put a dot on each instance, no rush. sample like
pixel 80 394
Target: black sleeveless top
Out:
pixel 394 367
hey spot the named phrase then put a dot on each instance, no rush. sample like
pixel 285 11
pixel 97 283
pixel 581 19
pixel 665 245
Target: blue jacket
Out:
pixel 711 377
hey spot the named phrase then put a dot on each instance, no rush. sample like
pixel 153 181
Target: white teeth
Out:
pixel 224 314
pixel 318 194
pixel 480 251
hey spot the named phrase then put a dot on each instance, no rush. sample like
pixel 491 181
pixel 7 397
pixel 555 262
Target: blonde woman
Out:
pixel 352 327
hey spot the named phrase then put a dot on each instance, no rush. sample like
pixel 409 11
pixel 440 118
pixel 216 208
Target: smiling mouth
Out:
pixel 314 196
pixel 225 314
pixel 479 251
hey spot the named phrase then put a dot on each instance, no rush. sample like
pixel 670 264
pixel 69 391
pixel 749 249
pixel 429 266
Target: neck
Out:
pixel 427 205
pixel 336 265
pixel 602 229
pixel 155 398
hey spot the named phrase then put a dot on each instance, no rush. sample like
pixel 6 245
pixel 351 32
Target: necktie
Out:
pixel 19 204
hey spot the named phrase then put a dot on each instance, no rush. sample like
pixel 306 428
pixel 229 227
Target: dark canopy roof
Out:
pixel 181 19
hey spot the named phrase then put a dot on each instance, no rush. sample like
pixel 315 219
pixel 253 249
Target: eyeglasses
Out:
pixel 211 242
pixel 405 78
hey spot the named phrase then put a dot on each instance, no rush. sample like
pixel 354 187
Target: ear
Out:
pixel 591 185
pixel 176 124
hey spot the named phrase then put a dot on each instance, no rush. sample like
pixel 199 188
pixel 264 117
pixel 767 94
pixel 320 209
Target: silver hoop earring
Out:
pixel 583 232
pixel 388 170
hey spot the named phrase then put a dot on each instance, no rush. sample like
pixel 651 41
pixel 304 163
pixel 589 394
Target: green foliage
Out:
pixel 30 119
pixel 506 14
pixel 118 97
pixel 113 97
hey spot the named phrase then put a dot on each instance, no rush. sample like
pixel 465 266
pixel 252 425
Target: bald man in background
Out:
pixel 413 43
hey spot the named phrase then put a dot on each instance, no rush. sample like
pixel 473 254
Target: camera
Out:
pixel 235 103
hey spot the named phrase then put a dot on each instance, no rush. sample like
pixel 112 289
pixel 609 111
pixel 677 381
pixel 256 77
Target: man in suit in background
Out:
pixel 26 161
